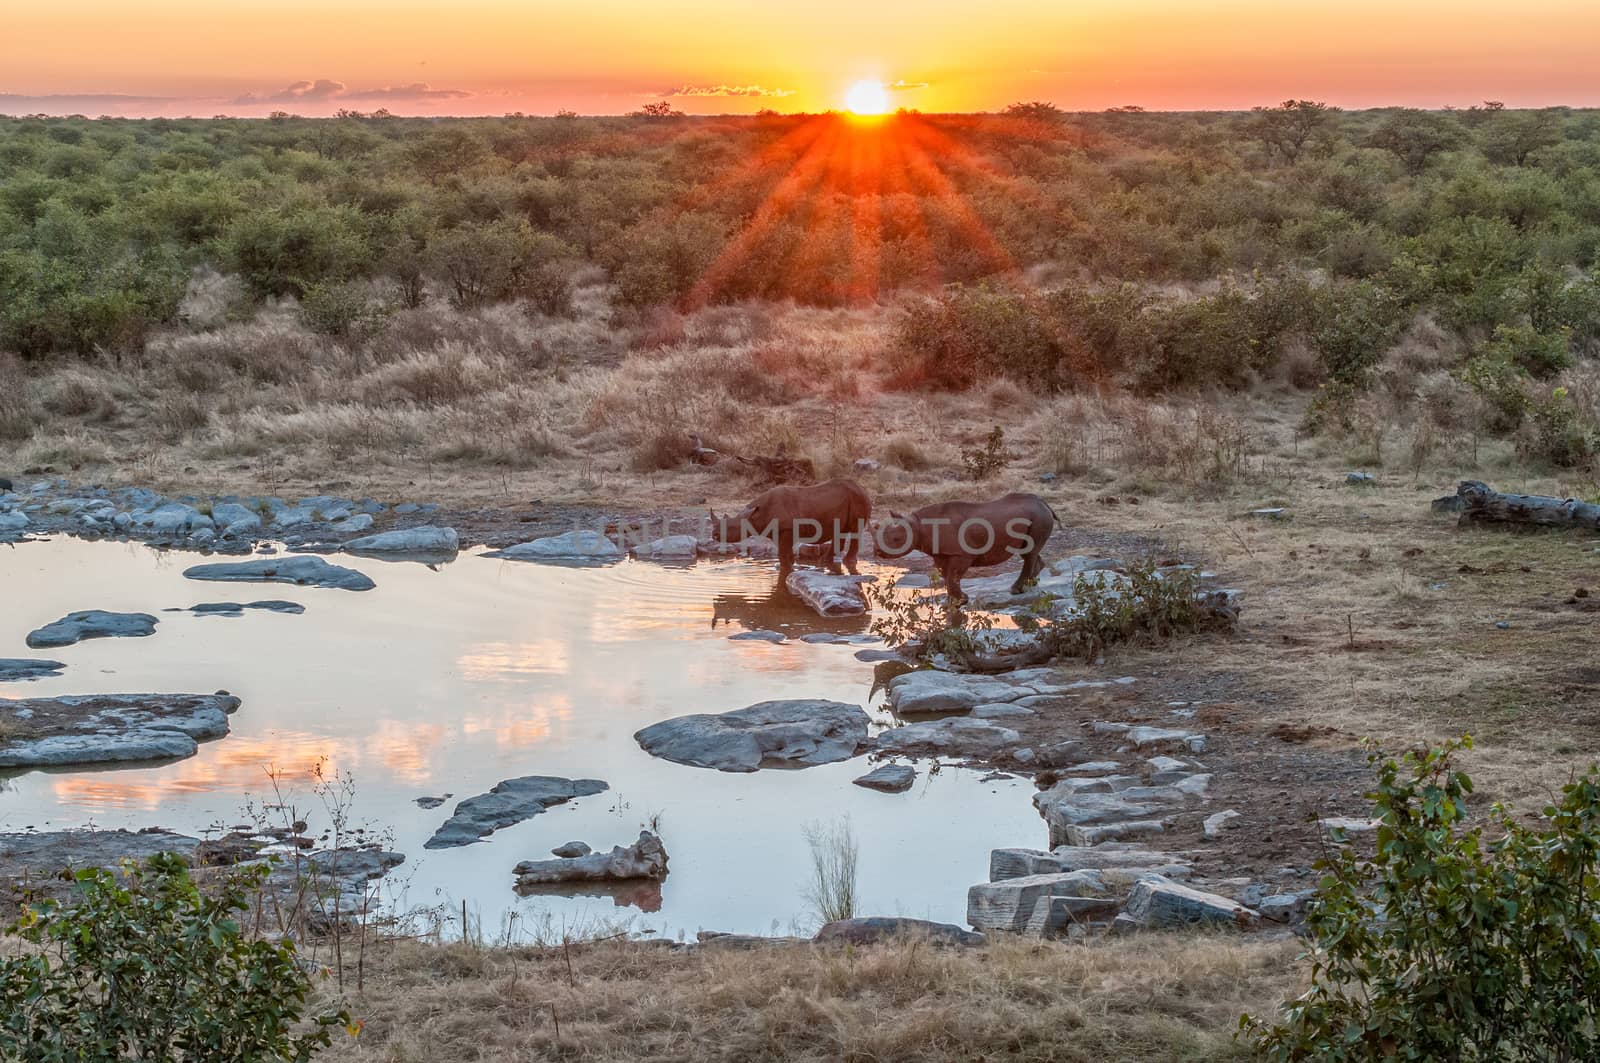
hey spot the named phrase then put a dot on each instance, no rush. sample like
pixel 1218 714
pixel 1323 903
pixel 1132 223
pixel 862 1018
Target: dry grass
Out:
pixel 1155 998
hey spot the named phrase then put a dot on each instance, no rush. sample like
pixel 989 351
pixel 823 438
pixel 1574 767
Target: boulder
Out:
pixel 645 858
pixel 1158 737
pixel 869 930
pixel 427 543
pixel 570 849
pixel 581 544
pixel 957 736
pixel 669 548
pixel 508 802
pixel 108 728
pixel 1076 835
pixel 302 570
pixel 92 624
pixel 1064 806
pixel 890 778
pixel 13 669
pixel 13 522
pixel 173 518
pixel 231 515
pixel 796 733
pixel 1156 901
pixel 1017 863
pixel 1041 905
pixel 1218 822
pixel 828 594
pixel 928 690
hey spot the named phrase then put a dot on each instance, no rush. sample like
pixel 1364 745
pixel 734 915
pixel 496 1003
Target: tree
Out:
pixel 1039 111
pixel 488 261
pixel 1509 137
pixel 658 109
pixel 1287 128
pixel 1414 136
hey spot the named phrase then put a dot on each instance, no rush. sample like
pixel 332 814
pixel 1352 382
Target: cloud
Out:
pixel 905 86
pixel 324 89
pixel 417 90
pixel 728 90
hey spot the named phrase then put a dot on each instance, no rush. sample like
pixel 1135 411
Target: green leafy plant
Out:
pixel 984 461
pixel 920 620
pixel 1449 940
pixel 1151 603
pixel 1559 436
pixel 150 966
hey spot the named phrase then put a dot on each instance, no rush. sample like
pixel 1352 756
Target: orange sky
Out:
pixel 715 56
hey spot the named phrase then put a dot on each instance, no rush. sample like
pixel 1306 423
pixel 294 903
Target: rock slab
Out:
pixel 828 594
pixel 92 624
pixel 302 570
pixel 870 929
pixel 508 802
pixel 1157 901
pixel 15 668
pixel 797 733
pixel 889 778
pixel 108 728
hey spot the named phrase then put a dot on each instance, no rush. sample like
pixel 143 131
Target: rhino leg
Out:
pixel 1032 565
pixel 852 550
pixel 952 569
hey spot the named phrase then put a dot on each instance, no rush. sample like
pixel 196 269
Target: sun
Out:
pixel 867 98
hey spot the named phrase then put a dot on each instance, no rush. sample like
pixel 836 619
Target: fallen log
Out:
pixel 780 469
pixel 1481 504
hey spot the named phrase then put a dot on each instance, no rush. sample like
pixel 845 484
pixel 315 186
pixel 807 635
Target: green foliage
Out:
pixel 971 335
pixel 483 262
pixel 1559 435
pixel 1500 386
pixel 345 309
pixel 1452 940
pixel 152 967
pixel 1151 603
pixel 984 461
pixel 1356 323
pixel 1540 355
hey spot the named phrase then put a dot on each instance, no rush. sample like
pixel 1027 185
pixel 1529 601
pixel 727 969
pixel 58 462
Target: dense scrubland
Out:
pixel 583 293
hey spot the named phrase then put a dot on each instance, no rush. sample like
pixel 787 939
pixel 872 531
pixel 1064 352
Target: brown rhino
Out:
pixel 962 535
pixel 831 515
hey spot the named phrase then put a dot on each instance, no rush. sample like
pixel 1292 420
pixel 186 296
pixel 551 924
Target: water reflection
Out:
pixel 452 680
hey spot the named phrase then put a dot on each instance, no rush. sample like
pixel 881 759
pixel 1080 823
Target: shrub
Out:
pixel 1559 436
pixel 152 967
pixel 1499 387
pixel 1452 941
pixel 1356 324
pixel 969 335
pixel 1540 355
pixel 341 308
pixel 984 461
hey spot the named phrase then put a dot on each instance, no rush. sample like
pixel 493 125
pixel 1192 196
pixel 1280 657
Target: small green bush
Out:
pixel 1450 941
pixel 1539 354
pixel 152 967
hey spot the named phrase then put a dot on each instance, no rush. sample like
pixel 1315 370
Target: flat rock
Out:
pixel 92 624
pixel 13 669
pixel 759 636
pixel 1159 737
pixel 571 849
pixel 107 728
pixel 581 544
pixel 302 570
pixel 236 609
pixel 14 521
pixel 1001 710
pixel 927 690
pixel 39 855
pixel 868 930
pixel 795 733
pixel 1348 824
pixel 1041 905
pixel 1218 822
pixel 1017 863
pixel 959 736
pixel 427 542
pixel 669 548
pixel 508 802
pixel 890 778
pixel 431 802
pixel 828 594
pixel 645 858
pixel 1156 901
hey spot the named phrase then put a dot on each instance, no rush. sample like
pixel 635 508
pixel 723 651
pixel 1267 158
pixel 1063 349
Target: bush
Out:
pixel 1540 355
pixel 343 308
pixel 1559 437
pixel 1452 941
pixel 1356 323
pixel 970 335
pixel 152 967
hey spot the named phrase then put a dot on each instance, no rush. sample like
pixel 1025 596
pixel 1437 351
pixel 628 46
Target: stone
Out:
pixel 669 548
pixel 1156 901
pixel 1448 504
pixel 877 656
pixel 1000 710
pixel 1218 822
pixel 92 624
pixel 571 849
pixel 1064 806
pixel 871 929
pixel 796 733
pixel 13 522
pixel 508 802
pixel 928 690
pixel 108 728
pixel 759 636
pixel 1272 513
pixel 1283 907
pixel 1349 825
pixel 13 669
pixel 430 542
pixel 173 518
pixel 432 802
pixel 1365 478
pixel 354 523
pixel 889 778
pixel 828 594
pixel 1040 905
pixel 1096 767
pixel 1017 863
pixel 236 609
pixel 866 465
pixel 1162 737
pixel 958 736
pixel 645 858
pixel 302 570
pixel 1194 785
pixel 232 514
pixel 581 544
pixel 1077 835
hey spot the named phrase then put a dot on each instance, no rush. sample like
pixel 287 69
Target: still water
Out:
pixel 450 679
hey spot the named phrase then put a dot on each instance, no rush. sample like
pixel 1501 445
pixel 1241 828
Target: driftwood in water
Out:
pixel 1481 504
